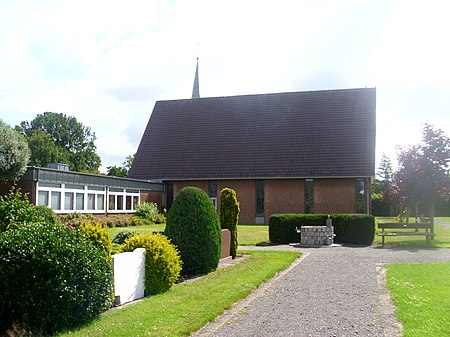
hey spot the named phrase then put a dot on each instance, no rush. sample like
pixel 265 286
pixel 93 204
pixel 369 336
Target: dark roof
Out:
pixel 50 175
pixel 328 133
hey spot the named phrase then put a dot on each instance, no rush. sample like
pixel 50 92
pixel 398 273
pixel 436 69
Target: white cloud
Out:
pixel 107 62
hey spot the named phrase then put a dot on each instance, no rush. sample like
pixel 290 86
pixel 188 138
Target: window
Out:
pixel 68 201
pixel 112 202
pixel 128 202
pixel 259 198
pixel 309 196
pixel 212 188
pixel 56 200
pixel 122 199
pixel 360 194
pixel 91 201
pixel 100 202
pixel 135 201
pixel 43 198
pixel 120 202
pixel 79 202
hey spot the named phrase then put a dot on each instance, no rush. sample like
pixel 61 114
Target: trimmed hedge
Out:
pixel 193 227
pixel 349 228
pixel 162 260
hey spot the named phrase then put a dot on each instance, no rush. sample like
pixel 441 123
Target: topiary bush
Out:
pixel 51 279
pixel 193 226
pixel 162 260
pixel 16 210
pixel 99 235
pixel 229 216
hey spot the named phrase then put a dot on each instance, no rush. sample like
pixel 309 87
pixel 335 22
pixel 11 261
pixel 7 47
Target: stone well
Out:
pixel 317 235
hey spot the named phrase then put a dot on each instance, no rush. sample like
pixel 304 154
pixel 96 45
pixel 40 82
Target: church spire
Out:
pixel 196 88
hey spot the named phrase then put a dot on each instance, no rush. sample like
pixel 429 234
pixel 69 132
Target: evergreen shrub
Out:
pixel 47 214
pixel 51 279
pixel 162 260
pixel 193 227
pixel 99 235
pixel 349 228
pixel 122 236
pixel 16 210
pixel 229 216
pixel 146 210
pixel 138 221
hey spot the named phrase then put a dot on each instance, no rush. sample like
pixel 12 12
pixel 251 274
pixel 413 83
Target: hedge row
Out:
pixel 349 228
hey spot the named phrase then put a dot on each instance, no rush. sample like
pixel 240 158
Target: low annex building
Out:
pixel 295 152
pixel 68 192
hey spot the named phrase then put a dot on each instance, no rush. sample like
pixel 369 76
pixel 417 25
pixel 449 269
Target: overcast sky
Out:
pixel 107 62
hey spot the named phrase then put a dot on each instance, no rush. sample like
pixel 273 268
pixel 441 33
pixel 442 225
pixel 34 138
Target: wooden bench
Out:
pixel 404 229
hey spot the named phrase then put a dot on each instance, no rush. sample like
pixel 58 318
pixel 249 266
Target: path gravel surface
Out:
pixel 330 291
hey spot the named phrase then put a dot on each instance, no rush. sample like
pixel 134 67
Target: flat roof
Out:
pixel 70 177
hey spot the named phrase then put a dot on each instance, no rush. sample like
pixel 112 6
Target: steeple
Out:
pixel 196 88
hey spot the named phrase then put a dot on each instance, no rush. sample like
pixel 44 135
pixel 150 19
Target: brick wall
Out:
pixel 245 193
pixel 334 196
pixel 152 196
pixel 179 185
pixel 283 196
pixel 25 186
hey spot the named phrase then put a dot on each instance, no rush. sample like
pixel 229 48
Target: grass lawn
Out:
pixel 441 239
pixel 421 293
pixel 151 228
pixel 253 235
pixel 248 235
pixel 189 306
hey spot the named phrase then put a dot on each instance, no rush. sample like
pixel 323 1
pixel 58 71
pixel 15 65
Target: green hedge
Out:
pixel 349 228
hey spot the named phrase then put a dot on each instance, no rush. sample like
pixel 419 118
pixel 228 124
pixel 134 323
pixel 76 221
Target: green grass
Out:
pixel 421 294
pixel 253 235
pixel 248 235
pixel 441 239
pixel 147 228
pixel 189 306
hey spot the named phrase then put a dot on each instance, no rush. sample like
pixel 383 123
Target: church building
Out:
pixel 290 152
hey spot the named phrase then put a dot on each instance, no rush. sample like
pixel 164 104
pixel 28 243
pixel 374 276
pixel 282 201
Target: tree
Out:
pixel 14 153
pixel 229 216
pixel 72 141
pixel 384 172
pixel 45 150
pixel 121 171
pixel 423 174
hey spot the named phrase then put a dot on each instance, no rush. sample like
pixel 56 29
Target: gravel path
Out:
pixel 330 291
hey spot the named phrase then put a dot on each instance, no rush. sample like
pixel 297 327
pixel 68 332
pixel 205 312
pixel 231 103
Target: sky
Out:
pixel 106 62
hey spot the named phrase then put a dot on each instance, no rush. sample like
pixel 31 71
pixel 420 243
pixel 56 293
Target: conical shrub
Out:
pixel 193 227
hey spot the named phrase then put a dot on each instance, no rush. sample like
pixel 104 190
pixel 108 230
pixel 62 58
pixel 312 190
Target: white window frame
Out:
pixel 75 189
pixel 123 193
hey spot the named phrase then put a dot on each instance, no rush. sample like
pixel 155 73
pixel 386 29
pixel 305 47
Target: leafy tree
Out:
pixel 116 171
pixel 121 171
pixel 73 142
pixel 14 153
pixel 45 150
pixel 423 175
